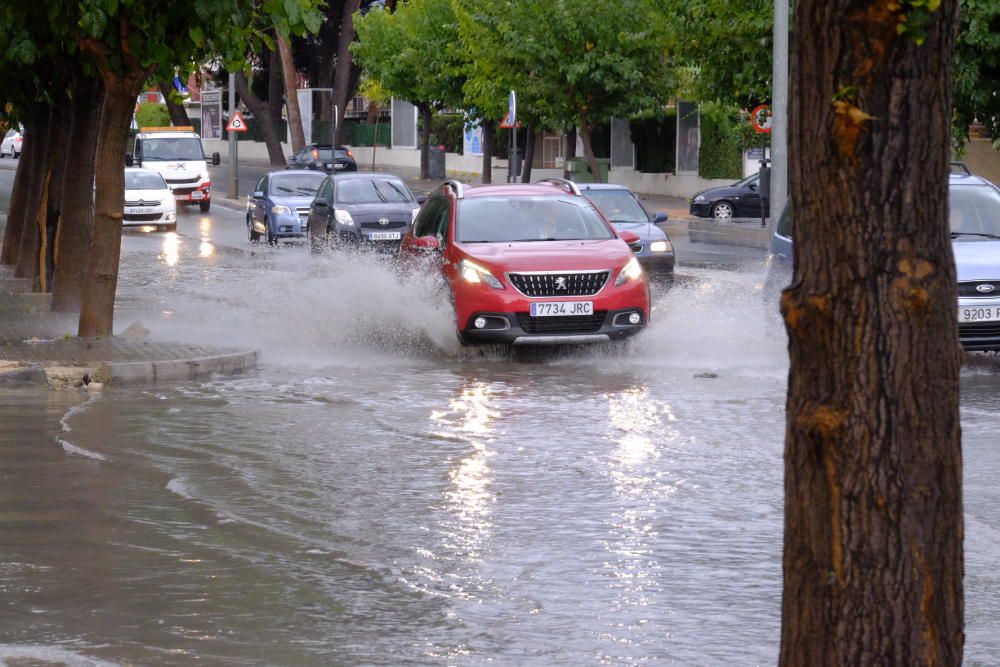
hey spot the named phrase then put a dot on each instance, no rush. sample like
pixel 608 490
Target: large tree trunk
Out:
pixel 489 138
pixel 291 97
pixel 49 216
pixel 345 64
pixel 275 95
pixel 529 154
pixel 41 170
pixel 426 117
pixel 31 154
pixel 178 115
pixel 73 240
pixel 570 151
pixel 262 113
pixel 588 152
pixel 101 281
pixel 873 472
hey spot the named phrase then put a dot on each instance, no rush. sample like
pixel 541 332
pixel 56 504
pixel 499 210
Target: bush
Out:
pixel 152 114
pixel 721 152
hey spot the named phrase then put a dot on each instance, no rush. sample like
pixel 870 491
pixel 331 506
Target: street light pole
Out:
pixel 779 112
pixel 234 179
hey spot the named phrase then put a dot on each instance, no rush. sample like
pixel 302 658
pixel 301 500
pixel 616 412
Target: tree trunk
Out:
pixel 873 472
pixel 275 96
pixel 262 113
pixel 291 97
pixel 41 168
pixel 588 152
pixel 31 153
pixel 489 138
pixel 570 151
pixel 50 214
pixel 101 281
pixel 529 154
pixel 73 240
pixel 178 114
pixel 344 66
pixel 426 117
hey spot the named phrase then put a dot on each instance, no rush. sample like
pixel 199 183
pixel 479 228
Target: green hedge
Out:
pixel 152 114
pixel 721 151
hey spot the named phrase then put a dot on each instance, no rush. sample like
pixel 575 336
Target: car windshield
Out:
pixel 752 178
pixel 371 191
pixel 974 211
pixel 140 180
pixel 296 184
pixel 546 218
pixel 618 205
pixel 172 148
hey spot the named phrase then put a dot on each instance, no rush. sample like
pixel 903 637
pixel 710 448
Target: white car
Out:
pixel 11 144
pixel 148 200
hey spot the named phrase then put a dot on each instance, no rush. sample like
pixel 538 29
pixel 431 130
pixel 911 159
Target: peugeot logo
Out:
pixel 383 221
pixel 985 288
pixel 561 283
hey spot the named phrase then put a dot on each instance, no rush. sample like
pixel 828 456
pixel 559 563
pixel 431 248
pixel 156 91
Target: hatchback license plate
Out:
pixel 562 308
pixel 385 236
pixel 979 313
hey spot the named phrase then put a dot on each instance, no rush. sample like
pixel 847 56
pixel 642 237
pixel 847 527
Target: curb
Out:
pixel 238 205
pixel 729 234
pixel 19 377
pixel 151 372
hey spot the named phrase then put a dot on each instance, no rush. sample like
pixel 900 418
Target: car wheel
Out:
pixel 253 234
pixel 205 206
pixel 722 210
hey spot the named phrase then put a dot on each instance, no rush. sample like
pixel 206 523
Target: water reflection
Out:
pixel 206 249
pixel 171 249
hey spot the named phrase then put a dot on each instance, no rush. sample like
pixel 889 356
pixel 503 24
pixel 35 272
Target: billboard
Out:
pixel 211 114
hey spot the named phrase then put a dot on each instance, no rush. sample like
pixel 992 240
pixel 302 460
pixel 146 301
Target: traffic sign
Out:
pixel 236 123
pixel 506 124
pixel 760 119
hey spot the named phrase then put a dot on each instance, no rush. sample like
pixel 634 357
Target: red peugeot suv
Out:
pixel 531 264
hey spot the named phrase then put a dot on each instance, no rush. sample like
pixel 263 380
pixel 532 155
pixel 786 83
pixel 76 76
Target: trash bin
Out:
pixel 579 169
pixel 435 162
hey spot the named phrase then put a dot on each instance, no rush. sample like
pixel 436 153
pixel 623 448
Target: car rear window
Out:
pixel 525 218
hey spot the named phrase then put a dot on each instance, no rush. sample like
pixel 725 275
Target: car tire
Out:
pixel 723 210
pixel 252 234
pixel 205 206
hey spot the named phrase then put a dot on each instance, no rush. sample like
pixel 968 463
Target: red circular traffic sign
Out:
pixel 760 119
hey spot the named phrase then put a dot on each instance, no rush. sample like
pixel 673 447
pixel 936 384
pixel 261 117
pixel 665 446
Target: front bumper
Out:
pixel 979 336
pixel 702 209
pixel 522 329
pixel 359 241
pixel 657 265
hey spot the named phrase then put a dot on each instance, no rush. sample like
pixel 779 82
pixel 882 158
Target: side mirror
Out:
pixel 421 199
pixel 660 216
pixel 258 194
pixel 216 160
pixel 627 237
pixel 426 243
pixel 128 160
pixel 752 186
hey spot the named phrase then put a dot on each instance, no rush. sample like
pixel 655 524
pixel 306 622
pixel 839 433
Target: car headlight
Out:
pixel 473 273
pixel 204 175
pixel 631 271
pixel 413 216
pixel 170 217
pixel 660 246
pixel 344 218
pixel 699 198
pixel 279 209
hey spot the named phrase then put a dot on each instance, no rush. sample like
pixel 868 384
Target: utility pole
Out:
pixel 234 177
pixel 779 113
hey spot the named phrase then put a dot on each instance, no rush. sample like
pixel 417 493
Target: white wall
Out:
pixel 670 185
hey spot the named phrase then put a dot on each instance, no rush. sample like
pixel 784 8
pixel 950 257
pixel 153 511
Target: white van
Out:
pixel 177 154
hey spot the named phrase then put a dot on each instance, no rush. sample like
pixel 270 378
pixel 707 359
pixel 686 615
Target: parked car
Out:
pixel 278 208
pixel 148 200
pixel 531 264
pixel 742 199
pixel 623 209
pixel 323 157
pixel 374 210
pixel 11 144
pixel 974 217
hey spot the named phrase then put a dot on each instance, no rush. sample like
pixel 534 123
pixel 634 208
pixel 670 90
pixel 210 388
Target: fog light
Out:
pixel 479 323
pixel 634 318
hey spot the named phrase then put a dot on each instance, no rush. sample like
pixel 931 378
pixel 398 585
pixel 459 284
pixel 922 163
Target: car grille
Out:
pixel 182 181
pixel 576 324
pixel 968 288
pixel 141 202
pixel 549 284
pixel 976 330
pixel 142 217
pixel 393 224
pixel 182 191
pixel 303 211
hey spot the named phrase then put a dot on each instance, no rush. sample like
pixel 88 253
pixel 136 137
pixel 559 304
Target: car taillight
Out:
pixel 350 154
pixel 315 154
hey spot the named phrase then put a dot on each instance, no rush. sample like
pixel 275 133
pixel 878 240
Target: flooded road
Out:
pixel 375 495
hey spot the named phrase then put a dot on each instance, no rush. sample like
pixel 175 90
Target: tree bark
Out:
pixel 31 153
pixel 51 212
pixel 291 97
pixel 344 66
pixel 275 96
pixel 73 239
pixel 178 114
pixel 570 151
pixel 529 154
pixel 101 281
pixel 873 509
pixel 262 113
pixel 588 152
pixel 489 137
pixel 41 168
pixel 426 117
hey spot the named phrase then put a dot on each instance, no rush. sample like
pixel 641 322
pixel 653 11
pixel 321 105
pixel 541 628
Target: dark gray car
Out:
pixel 363 209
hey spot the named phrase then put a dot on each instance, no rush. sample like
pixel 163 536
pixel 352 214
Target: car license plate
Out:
pixel 385 236
pixel 561 308
pixel 339 166
pixel 328 165
pixel 138 211
pixel 979 313
pixel 197 195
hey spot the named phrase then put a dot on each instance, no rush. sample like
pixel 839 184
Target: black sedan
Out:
pixel 323 157
pixel 742 199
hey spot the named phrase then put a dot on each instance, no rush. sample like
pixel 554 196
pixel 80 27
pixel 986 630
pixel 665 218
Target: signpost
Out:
pixel 760 120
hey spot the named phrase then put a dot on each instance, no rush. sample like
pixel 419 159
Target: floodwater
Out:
pixel 375 495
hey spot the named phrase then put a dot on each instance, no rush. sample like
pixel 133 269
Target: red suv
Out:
pixel 531 264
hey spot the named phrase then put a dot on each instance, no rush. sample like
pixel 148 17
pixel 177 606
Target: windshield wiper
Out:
pixel 988 236
pixel 283 188
pixel 631 222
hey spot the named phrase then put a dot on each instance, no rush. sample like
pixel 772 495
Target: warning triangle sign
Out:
pixel 236 123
